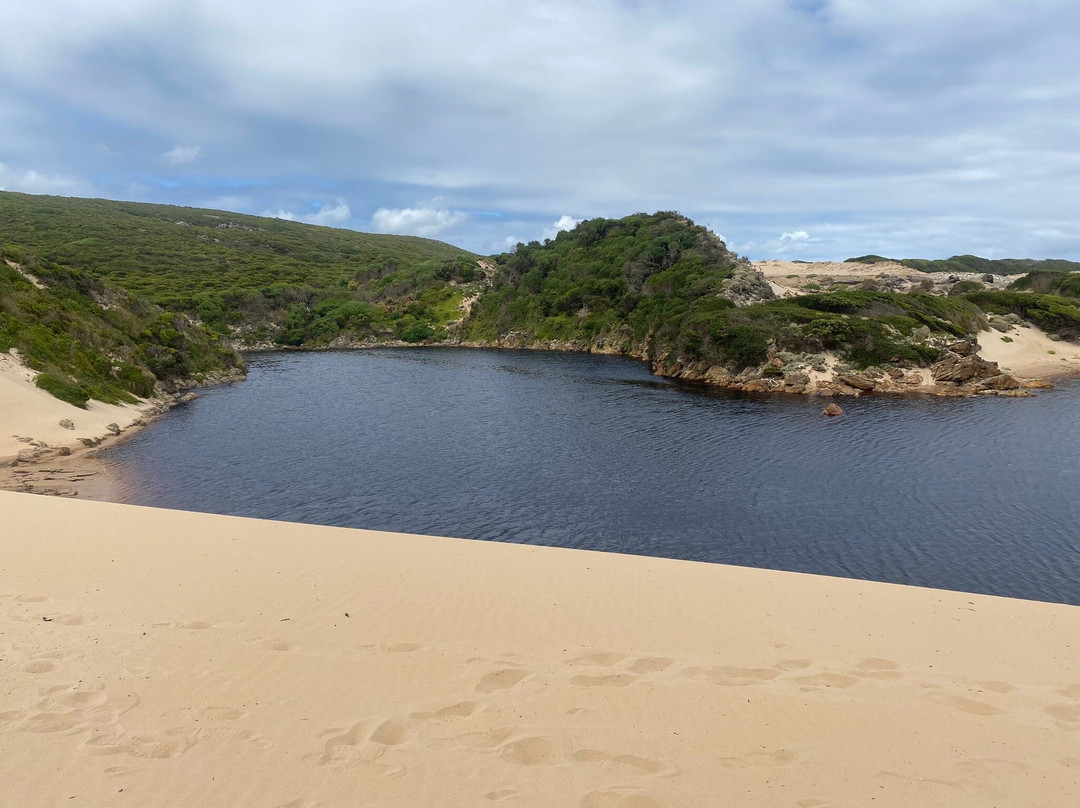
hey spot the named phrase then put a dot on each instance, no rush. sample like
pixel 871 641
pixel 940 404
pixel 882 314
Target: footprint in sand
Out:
pixel 534 751
pixel 463 709
pixel 65 698
pixel 194 625
pixel 1071 692
pixel 363 742
pixel 629 764
pixel 970 706
pixel 50 722
pixel 651 664
pixel 169 744
pixel 34 598
pixel 501 680
pixel 620 797
pixel 1065 713
pixel 39 666
pixel 486 740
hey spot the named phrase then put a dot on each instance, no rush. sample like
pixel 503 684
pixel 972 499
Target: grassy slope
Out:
pixel 89 339
pixel 262 278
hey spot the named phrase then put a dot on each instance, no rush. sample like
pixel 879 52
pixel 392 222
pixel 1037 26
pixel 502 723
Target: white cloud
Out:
pixel 182 154
pixel 797 235
pixel 565 223
pixel 417 221
pixel 749 114
pixel 32 182
pixel 328 215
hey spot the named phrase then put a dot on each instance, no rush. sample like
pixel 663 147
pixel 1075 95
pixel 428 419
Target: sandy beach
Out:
pixel 160 658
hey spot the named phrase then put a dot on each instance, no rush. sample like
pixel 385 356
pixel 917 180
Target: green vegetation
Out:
pixel 868 259
pixel 131 295
pixel 1066 284
pixel 631 279
pixel 964 287
pixel 1052 314
pixel 652 284
pixel 973 263
pixel 260 278
pixel 89 339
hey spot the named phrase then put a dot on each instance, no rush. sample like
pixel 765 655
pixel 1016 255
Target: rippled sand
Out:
pixel 160 658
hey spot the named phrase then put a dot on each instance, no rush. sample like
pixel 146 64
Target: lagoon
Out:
pixel 594 452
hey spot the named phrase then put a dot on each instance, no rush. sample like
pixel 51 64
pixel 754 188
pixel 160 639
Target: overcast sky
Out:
pixel 794 128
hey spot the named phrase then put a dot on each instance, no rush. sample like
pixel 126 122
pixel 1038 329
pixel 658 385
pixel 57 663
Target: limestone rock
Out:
pixel 858 382
pixel 832 410
pixel 67 423
pixel 114 428
pixel 1000 382
pixel 1036 384
pixel 963 368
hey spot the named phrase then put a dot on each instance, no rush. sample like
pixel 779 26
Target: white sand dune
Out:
pixel 1028 351
pixel 157 658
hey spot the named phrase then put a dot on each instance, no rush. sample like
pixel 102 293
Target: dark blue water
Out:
pixel 594 452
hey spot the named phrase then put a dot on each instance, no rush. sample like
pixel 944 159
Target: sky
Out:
pixel 797 129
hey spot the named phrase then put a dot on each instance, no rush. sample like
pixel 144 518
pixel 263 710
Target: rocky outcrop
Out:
pixel 962 368
pixel 858 382
pixel 832 411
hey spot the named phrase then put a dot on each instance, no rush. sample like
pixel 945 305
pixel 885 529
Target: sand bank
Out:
pixel 1025 350
pixel 28 413
pixel 158 658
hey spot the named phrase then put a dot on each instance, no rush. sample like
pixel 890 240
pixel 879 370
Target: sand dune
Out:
pixel 158 658
pixel 1029 352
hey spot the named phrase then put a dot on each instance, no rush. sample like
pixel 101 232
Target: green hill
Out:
pixel 256 278
pixel 659 287
pixel 109 299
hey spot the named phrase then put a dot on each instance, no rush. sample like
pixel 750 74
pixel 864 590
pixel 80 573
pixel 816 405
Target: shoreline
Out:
pixel 193 659
pixel 51 447
pixel 70 470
